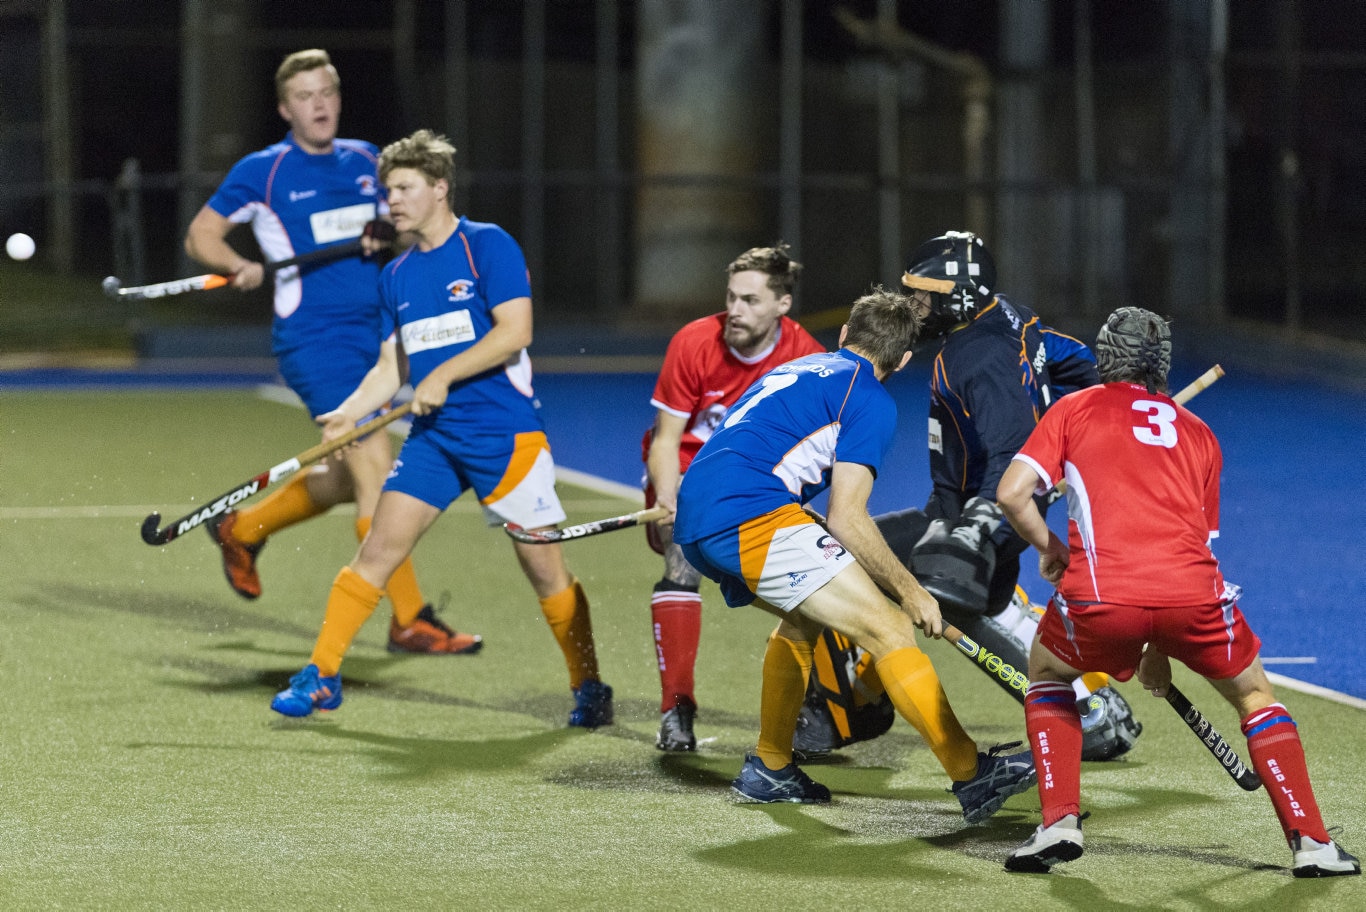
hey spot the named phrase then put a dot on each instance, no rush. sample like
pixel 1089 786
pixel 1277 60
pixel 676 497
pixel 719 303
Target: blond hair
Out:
pixel 302 62
pixel 428 153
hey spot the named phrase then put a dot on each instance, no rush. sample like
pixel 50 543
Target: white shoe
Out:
pixel 1322 859
pixel 1048 846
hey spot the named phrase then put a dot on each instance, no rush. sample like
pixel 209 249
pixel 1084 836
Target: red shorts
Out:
pixel 1213 641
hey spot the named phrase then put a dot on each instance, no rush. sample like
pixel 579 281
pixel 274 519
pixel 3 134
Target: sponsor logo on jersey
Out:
pixel 437 332
pixel 936 436
pixel 366 184
pixel 461 289
pixel 296 195
pixel 341 224
pixel 706 422
pixel 795 579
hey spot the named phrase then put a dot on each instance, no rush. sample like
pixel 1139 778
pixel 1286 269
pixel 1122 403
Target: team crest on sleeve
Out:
pixel 461 289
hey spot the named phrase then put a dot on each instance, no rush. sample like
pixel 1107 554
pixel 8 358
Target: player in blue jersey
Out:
pixel 823 422
pixel 456 314
pixel 308 192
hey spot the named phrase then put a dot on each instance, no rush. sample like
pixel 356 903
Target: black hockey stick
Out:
pixel 155 536
pixel 1227 757
pixel 583 530
pixel 114 289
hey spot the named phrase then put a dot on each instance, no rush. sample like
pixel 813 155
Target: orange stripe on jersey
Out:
pixel 526 448
pixel 469 256
pixel 270 181
pixel 756 535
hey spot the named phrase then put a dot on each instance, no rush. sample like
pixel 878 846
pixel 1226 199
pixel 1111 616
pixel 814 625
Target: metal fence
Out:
pixel 1098 180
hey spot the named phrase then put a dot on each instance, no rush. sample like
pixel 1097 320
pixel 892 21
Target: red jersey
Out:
pixel 702 376
pixel 1142 479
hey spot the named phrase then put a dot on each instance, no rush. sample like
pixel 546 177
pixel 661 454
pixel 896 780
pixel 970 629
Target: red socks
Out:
pixel 677 615
pixel 1274 742
pixel 1054 728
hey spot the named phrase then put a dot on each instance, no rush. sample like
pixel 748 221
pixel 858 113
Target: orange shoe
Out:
pixel 239 560
pixel 427 635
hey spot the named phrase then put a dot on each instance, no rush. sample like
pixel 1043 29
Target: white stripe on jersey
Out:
pixel 1079 512
pixel 274 242
pixel 806 463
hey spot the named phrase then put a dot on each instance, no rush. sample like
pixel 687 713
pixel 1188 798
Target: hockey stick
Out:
pixel 1014 679
pixel 1202 382
pixel 114 289
pixel 154 536
pixel 1196 722
pixel 583 530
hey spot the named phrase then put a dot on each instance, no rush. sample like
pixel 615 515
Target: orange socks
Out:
pixel 403 591
pixel 567 614
pixel 787 666
pixel 285 507
pixel 914 687
pixel 349 605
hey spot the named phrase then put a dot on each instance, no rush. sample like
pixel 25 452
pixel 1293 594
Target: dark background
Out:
pixel 1294 232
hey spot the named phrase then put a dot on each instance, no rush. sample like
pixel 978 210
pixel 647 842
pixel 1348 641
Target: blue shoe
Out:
pixel 999 775
pixel 592 705
pixel 757 782
pixel 308 691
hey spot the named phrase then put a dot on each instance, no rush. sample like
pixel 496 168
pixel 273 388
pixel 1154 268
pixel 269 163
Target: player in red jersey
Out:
pixel 710 362
pixel 1137 583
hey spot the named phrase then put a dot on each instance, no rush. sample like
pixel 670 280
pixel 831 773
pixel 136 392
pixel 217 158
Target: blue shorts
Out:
pixel 780 557
pixel 513 475
pixel 324 375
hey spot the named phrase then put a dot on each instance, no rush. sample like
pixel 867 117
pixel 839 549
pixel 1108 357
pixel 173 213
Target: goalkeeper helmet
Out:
pixel 960 275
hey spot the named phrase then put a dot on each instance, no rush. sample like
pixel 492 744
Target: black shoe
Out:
pixel 675 727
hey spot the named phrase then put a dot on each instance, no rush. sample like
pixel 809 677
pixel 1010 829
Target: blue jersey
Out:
pixel 439 302
pixel 296 203
pixel 777 444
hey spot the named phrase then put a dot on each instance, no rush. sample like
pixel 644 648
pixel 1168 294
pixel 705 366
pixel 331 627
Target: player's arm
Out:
pixel 1071 364
pixel 376 390
pixel 1015 496
pixel 206 241
pixel 510 333
pixel 662 462
pixel 848 520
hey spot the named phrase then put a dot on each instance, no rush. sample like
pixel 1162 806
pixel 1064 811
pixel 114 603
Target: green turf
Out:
pixel 141 767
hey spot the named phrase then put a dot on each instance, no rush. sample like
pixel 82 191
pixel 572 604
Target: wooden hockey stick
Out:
pixel 583 530
pixel 114 289
pixel 154 536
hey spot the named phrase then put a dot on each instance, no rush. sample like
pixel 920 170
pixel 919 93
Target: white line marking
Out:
pixel 1316 690
pixel 1290 660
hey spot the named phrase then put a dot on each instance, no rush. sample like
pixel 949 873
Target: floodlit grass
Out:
pixel 142 768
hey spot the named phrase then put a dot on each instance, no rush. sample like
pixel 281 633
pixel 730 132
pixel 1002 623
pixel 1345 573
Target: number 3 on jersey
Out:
pixel 1160 427
pixel 771 384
